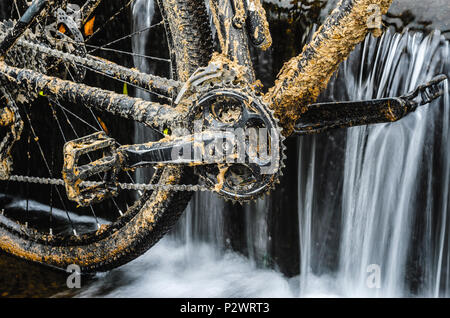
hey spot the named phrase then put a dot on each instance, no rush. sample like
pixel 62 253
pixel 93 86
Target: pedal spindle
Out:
pixel 79 187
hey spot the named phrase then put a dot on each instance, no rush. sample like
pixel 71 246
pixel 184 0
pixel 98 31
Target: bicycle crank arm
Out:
pixel 207 147
pixel 203 148
pixel 320 117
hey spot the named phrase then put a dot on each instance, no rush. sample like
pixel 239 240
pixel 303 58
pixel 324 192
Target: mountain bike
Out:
pixel 217 129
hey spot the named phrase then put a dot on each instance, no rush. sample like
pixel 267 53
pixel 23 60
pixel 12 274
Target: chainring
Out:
pixel 254 174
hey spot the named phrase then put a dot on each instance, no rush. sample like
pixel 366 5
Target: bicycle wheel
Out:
pixel 150 215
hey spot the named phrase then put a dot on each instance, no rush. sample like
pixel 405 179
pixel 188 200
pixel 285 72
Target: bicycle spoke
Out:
pixel 68 121
pixel 128 53
pixel 112 18
pixel 95 216
pixel 159 86
pixel 65 140
pixel 118 208
pixel 127 172
pixel 76 116
pixel 28 171
pixel 96 120
pixel 127 36
pixel 36 138
pixel 51 187
pixel 16 7
pixel 103 48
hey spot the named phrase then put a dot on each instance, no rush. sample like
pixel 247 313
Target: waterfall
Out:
pixel 143 14
pixel 394 181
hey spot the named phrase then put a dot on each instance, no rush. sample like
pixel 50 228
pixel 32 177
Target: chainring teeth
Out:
pixel 269 183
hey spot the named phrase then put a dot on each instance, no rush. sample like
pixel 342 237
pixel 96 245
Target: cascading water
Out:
pixel 369 196
pixel 393 216
pixel 143 13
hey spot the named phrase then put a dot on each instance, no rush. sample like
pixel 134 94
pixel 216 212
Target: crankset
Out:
pixel 255 144
pixel 236 148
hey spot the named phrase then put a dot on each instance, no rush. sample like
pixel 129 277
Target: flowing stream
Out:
pixel 392 218
pixel 373 202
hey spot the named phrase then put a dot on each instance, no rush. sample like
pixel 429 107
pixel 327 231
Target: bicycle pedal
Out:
pixel 426 93
pixel 79 187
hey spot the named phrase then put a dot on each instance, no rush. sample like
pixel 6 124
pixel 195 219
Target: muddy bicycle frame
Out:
pixel 298 85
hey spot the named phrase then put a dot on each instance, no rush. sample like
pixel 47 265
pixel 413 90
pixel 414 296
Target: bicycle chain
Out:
pixel 123 186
